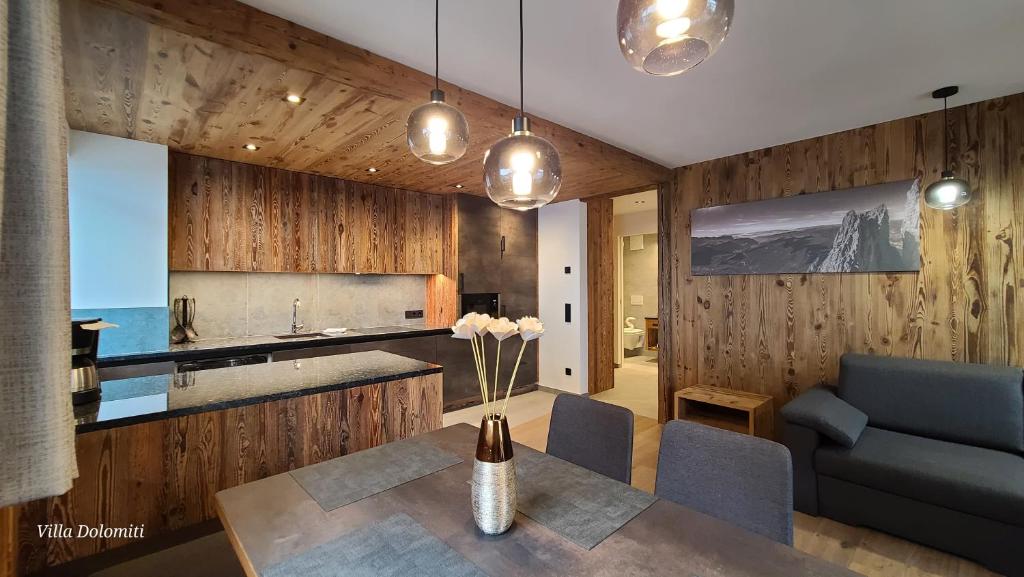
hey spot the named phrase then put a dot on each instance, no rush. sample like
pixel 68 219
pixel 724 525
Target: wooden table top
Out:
pixel 274 518
pixel 724 397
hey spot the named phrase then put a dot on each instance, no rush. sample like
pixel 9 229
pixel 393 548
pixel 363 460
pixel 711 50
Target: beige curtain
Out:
pixel 37 452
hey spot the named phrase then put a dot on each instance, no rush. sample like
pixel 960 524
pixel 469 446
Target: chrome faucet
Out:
pixel 296 325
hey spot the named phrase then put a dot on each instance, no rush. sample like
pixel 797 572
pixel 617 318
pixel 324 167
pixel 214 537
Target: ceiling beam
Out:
pixel 590 166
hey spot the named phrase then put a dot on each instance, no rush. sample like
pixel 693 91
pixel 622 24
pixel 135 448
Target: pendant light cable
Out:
pixel 437 41
pixel 521 99
pixel 945 134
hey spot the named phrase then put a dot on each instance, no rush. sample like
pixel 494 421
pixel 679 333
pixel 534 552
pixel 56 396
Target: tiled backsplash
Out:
pixel 235 304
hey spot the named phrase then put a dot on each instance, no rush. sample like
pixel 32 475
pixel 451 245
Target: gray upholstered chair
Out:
pixel 593 435
pixel 744 480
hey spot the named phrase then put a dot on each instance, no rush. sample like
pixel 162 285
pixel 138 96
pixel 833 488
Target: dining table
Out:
pixel 273 521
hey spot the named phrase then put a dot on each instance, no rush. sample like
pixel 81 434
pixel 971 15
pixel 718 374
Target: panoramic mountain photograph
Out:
pixel 865 229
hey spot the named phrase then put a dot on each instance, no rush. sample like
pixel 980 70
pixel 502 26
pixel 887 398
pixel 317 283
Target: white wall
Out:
pixel 562 242
pixel 117 197
pixel 645 222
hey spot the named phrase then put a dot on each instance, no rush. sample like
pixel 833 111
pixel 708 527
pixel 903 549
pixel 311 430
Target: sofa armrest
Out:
pixel 820 409
pixel 802 442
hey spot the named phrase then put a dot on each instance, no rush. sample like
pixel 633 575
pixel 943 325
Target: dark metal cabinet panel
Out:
pixel 419 348
pixel 479 244
pixel 486 268
pixel 520 231
pixel 519 286
pixel 297 354
pixel 460 381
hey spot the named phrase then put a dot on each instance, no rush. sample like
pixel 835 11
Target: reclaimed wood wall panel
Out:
pixel 164 474
pixel 780 334
pixel 8 542
pixel 231 216
pixel 208 77
pixel 442 302
pixel 601 325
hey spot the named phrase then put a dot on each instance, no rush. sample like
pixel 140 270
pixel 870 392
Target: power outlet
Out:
pixel 568 372
pixel 416 314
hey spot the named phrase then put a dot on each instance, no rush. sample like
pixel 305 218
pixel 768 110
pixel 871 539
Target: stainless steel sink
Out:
pixel 299 335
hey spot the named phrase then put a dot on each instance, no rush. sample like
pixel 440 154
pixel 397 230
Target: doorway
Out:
pixel 635 304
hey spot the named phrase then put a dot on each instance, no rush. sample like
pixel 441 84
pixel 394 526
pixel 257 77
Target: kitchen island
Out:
pixel 155 450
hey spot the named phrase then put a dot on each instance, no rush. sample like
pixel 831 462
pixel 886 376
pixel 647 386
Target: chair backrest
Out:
pixel 593 435
pixel 980 405
pixel 744 480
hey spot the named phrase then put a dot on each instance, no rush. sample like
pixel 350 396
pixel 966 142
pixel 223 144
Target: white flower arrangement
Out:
pixel 473 327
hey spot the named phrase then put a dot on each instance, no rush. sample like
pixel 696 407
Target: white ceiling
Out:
pixel 789 69
pixel 636 202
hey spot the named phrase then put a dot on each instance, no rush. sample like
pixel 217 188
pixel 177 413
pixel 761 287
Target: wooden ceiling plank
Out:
pixel 212 74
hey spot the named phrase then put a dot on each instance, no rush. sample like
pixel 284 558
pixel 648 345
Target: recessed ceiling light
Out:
pixel 371 169
pixel 251 147
pixel 458 186
pixel 294 99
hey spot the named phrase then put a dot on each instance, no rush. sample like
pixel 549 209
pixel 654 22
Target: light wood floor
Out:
pixel 862 550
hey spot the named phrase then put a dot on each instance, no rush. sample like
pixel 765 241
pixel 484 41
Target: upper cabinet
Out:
pixel 230 216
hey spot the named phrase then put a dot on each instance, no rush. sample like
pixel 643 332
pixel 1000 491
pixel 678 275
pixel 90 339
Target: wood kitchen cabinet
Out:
pixel 230 216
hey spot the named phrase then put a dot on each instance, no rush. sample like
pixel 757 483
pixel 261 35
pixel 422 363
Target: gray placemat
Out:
pixel 395 547
pixel 583 506
pixel 347 479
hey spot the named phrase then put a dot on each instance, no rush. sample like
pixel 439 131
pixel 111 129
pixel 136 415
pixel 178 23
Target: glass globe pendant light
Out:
pixel 437 132
pixel 523 170
pixel 669 37
pixel 949 191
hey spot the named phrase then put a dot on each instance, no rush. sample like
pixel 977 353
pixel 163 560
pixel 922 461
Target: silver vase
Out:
pixel 494 478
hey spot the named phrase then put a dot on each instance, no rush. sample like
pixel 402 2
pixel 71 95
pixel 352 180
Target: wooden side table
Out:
pixel 729 409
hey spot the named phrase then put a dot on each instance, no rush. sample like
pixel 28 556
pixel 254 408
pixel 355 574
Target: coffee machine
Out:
pixel 85 341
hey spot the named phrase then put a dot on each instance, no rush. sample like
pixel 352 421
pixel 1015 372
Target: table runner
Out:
pixel 395 547
pixel 348 479
pixel 580 505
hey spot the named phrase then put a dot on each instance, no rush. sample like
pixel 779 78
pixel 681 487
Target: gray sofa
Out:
pixel 926 450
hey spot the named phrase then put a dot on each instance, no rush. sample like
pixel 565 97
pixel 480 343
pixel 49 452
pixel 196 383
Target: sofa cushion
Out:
pixel 979 405
pixel 820 409
pixel 964 478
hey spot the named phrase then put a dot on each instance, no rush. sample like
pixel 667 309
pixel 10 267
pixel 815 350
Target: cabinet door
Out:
pixel 210 218
pixel 479 244
pixel 519 264
pixel 519 228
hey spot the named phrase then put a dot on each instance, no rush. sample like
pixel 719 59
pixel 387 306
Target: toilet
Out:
pixel 632 337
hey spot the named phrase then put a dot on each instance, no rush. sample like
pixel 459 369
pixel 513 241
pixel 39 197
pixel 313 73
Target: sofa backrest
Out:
pixel 981 405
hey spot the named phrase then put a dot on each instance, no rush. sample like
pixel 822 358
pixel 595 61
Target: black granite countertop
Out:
pixel 266 344
pixel 131 401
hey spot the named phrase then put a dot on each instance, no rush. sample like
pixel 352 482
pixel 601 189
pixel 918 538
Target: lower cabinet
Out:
pixel 164 474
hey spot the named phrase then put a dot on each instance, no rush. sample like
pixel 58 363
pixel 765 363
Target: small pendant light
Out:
pixel 437 132
pixel 522 171
pixel 949 191
pixel 669 37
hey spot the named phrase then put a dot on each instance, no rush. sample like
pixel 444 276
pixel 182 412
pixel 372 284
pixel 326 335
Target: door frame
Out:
pixel 601 280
